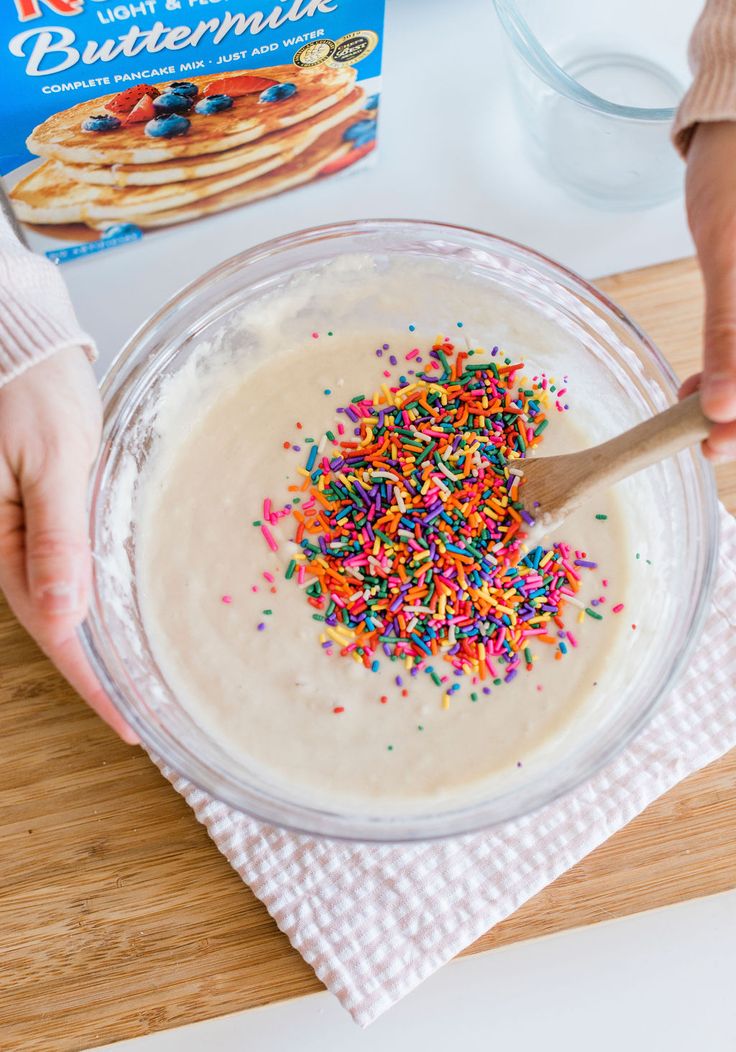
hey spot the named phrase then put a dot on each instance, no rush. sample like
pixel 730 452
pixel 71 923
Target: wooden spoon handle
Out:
pixel 661 436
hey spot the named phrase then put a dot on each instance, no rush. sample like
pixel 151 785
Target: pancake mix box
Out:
pixel 121 117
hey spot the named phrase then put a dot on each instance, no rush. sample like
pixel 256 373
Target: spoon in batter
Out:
pixel 553 487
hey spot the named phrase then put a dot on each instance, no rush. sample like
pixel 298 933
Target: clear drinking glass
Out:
pixel 630 380
pixel 597 85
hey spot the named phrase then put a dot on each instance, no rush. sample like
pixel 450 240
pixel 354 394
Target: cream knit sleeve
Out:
pixel 712 96
pixel 36 314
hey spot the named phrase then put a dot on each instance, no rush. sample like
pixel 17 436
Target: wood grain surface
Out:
pixel 118 917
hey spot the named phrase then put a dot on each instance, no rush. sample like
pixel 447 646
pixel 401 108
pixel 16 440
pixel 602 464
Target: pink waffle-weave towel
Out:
pixel 374 921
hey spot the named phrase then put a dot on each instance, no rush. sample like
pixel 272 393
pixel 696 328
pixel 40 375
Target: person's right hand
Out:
pixel 49 434
pixel 711 208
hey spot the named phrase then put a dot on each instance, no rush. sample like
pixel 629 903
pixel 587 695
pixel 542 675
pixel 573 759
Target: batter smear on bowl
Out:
pixel 334 574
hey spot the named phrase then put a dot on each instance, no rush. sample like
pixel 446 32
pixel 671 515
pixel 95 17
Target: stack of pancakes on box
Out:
pixel 251 150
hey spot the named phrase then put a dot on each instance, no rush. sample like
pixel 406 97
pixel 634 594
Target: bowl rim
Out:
pixel 181 763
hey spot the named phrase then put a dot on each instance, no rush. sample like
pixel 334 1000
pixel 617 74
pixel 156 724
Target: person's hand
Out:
pixel 711 207
pixel 49 433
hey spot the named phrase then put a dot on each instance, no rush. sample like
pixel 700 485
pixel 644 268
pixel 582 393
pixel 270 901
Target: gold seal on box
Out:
pixel 354 47
pixel 314 53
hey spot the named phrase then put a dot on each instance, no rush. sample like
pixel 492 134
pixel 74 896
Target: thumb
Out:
pixel 57 550
pixel 718 390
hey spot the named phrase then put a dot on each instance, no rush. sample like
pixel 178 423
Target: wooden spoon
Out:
pixel 553 487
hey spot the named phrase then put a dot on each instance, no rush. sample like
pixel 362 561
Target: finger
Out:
pixel 57 550
pixel 64 650
pixel 52 599
pixel 70 659
pixel 718 389
pixel 720 445
pixel 691 384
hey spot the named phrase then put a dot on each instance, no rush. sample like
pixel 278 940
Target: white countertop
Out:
pixel 450 150
pixel 654 981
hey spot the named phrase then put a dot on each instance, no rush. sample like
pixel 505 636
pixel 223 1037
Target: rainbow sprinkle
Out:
pixel 411 532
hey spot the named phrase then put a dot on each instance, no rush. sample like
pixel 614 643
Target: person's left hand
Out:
pixel 49 434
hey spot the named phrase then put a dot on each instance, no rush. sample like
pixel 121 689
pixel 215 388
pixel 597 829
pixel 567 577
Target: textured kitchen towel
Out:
pixel 374 921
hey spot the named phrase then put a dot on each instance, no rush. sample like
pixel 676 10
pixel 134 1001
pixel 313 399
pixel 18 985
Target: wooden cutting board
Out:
pixel 117 915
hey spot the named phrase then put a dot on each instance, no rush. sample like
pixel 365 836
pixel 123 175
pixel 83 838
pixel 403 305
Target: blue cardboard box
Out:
pixel 123 117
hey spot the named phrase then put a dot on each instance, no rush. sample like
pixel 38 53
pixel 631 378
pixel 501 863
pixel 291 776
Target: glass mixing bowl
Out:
pixel 627 380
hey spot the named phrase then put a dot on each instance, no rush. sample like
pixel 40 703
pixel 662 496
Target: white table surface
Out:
pixel 654 981
pixel 450 149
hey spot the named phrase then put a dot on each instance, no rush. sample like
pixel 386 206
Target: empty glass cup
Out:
pixel 597 85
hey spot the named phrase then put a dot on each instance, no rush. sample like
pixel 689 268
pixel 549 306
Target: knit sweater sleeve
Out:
pixel 36 314
pixel 712 52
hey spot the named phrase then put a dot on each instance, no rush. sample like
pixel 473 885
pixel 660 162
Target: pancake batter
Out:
pixel 240 646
